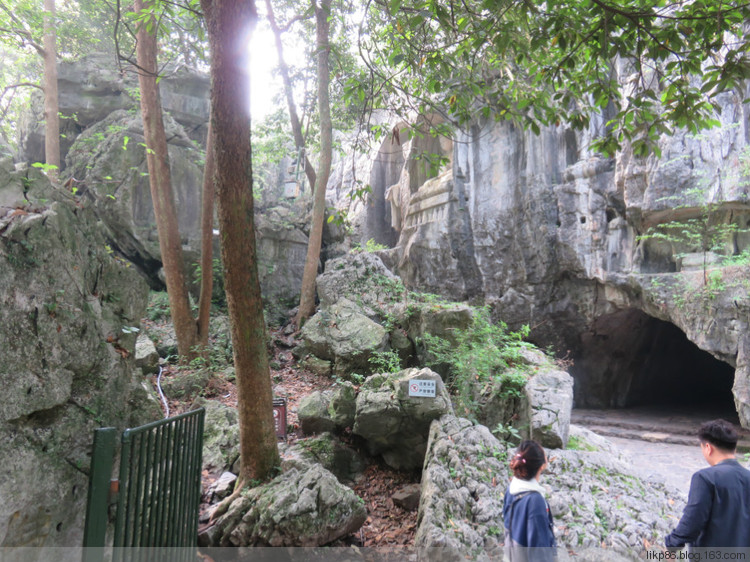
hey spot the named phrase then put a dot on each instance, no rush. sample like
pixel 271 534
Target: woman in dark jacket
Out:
pixel 529 535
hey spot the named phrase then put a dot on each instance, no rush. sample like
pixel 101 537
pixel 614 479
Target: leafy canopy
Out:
pixel 647 65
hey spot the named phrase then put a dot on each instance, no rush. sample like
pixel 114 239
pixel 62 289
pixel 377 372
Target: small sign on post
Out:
pixel 279 417
pixel 424 388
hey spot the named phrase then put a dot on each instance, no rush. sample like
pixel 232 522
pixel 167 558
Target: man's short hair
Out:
pixel 720 433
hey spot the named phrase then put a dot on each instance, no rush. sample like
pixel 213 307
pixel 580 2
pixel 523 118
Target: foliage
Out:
pixel 540 62
pixel 575 443
pixel 370 247
pixel 484 353
pixel 158 306
pixel 703 227
pixel 385 361
pixel 507 432
pixel 218 297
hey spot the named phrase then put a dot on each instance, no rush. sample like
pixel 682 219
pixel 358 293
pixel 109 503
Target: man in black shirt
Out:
pixel 718 510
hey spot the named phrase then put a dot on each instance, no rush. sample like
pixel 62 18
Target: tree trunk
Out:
pixel 229 23
pixel 299 140
pixel 157 158
pixel 307 298
pixel 207 243
pixel 51 110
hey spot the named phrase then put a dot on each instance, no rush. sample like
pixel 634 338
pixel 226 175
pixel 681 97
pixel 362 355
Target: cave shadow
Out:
pixel 629 360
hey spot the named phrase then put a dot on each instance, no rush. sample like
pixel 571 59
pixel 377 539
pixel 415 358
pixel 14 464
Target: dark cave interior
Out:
pixel 629 359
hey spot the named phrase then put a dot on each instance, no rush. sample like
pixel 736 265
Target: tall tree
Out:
pixel 229 23
pixel 51 106
pixel 207 241
pixel 157 158
pixel 310 273
pixel 299 138
pixel 26 32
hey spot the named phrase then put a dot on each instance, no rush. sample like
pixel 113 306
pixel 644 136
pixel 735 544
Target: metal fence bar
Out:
pixel 181 471
pixel 95 529
pixel 158 485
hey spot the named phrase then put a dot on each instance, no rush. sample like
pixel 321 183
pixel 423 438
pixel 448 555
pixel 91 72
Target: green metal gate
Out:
pixel 158 491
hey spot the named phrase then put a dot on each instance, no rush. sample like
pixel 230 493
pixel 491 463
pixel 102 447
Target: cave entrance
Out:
pixel 629 359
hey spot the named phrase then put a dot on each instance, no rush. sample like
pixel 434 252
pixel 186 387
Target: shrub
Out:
pixel 484 353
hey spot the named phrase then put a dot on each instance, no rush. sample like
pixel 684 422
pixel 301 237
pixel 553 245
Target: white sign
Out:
pixel 418 387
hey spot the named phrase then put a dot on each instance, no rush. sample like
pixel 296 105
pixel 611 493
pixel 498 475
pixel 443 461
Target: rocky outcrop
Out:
pixel 345 336
pixel 221 437
pixel 549 395
pixel 146 356
pixel 67 333
pixel 108 164
pixel 328 410
pixel 465 478
pixel 394 423
pixel 328 451
pixel 302 507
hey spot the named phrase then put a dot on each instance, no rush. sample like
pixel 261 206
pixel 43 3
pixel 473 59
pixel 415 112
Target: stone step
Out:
pixel 653 436
pixel 632 424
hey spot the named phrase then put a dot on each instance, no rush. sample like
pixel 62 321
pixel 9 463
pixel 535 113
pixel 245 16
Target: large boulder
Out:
pixel 67 334
pixel 463 484
pixel 328 410
pixel 395 424
pixel 302 507
pixel 344 335
pixel 324 449
pixel 146 356
pixel 282 251
pixel 221 437
pixel 108 164
pixel 92 87
pixel 549 399
pixel 361 277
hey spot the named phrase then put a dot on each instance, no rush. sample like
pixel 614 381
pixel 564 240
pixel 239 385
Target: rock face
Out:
pixel 549 396
pixel 221 438
pixel 325 449
pixel 302 507
pixel 461 508
pixel 328 410
pixel 103 151
pixel 93 87
pixel 108 162
pixel 67 340
pixel 540 411
pixel 549 234
pixel 394 423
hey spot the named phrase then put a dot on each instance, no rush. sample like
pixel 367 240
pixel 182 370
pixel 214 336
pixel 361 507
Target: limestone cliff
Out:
pixel 551 235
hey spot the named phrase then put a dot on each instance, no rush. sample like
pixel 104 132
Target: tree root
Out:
pixel 221 507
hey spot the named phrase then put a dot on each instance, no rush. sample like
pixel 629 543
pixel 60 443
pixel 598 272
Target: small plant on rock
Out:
pixel 385 361
pixel 483 354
